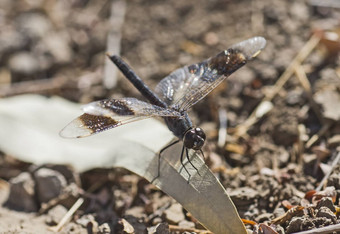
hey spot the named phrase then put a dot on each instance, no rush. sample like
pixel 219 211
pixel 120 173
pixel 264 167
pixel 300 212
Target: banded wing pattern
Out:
pixel 186 86
pixel 110 113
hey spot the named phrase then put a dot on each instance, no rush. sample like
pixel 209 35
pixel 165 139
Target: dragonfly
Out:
pixel 173 97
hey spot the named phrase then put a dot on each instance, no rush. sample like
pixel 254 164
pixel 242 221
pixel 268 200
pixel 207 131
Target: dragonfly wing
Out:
pixel 110 113
pixel 188 85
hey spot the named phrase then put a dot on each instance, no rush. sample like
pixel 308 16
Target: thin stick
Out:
pixel 222 132
pixel 114 36
pixel 302 77
pixel 35 86
pixel 325 3
pixel 325 178
pixel 316 136
pixel 52 202
pixel 300 146
pixel 329 229
pixel 300 57
pixel 68 215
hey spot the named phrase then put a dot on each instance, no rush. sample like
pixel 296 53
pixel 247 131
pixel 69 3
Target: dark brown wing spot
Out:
pixel 97 123
pixel 117 106
pixel 227 62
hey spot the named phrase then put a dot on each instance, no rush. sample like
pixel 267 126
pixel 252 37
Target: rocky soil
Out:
pixel 273 160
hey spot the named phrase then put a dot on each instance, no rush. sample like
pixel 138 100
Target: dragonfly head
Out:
pixel 194 138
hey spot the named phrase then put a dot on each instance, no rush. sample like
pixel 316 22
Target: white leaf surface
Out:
pixel 30 128
pixel 29 131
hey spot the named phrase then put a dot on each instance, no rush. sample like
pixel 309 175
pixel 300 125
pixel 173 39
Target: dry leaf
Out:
pixel 30 126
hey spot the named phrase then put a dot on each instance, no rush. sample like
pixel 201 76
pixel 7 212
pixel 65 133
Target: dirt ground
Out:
pixel 272 170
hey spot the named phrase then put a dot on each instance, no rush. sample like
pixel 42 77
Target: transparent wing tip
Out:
pixel 250 48
pixel 75 129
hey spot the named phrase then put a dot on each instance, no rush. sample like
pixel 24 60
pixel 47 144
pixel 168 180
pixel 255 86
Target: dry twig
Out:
pixel 324 179
pixel 302 77
pixel 300 57
pixel 68 215
pixel 329 229
pixel 34 86
pixel 320 133
pixel 113 41
pixel 222 132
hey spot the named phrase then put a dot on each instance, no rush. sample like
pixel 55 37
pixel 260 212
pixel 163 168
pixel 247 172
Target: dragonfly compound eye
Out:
pixel 194 139
pixel 199 132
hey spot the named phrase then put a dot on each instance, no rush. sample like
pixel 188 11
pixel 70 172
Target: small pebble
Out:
pixel 326 202
pixel 55 215
pixel 22 196
pixel 50 184
pixel 23 63
pixel 159 228
pixel 104 228
pixel 174 214
pixel 186 224
pixel 327 213
pixel 33 25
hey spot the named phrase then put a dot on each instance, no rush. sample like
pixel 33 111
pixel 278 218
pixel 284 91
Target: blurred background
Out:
pixel 57 48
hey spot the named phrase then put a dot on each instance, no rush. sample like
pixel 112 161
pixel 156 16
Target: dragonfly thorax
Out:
pixel 194 138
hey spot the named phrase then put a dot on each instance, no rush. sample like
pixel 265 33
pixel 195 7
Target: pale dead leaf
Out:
pixel 330 102
pixel 30 125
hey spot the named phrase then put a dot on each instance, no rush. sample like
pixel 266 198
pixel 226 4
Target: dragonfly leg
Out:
pixel 159 158
pixel 182 158
pixel 202 155
pixel 187 154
